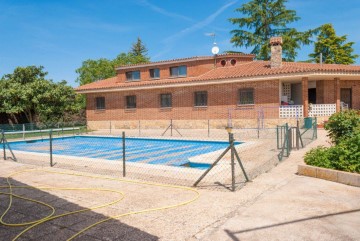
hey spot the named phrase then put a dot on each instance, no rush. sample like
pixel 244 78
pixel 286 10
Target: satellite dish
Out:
pixel 215 49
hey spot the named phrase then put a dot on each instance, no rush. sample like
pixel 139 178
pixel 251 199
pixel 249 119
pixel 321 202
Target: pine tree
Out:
pixel 264 19
pixel 334 48
pixel 99 69
pixel 138 48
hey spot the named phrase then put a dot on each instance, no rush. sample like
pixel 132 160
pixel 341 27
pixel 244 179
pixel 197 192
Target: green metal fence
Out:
pixel 260 149
pixel 284 140
pixel 295 137
pixel 41 130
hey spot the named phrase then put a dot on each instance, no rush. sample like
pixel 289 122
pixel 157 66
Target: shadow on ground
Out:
pixel 60 228
pixel 232 234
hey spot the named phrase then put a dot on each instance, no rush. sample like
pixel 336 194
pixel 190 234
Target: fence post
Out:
pixel 23 131
pixel 297 134
pixel 231 140
pixel 171 127
pixel 51 154
pixel 291 136
pixel 316 127
pixel 139 128
pixel 287 139
pixel 3 141
pixel 124 160
pixel 277 137
pixel 208 128
pixel 110 127
pixel 258 124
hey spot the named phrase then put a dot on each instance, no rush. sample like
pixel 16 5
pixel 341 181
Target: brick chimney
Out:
pixel 276 52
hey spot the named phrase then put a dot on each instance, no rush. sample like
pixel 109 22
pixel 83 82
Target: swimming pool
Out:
pixel 139 150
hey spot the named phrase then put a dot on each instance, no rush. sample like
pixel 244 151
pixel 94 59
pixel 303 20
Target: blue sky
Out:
pixel 61 34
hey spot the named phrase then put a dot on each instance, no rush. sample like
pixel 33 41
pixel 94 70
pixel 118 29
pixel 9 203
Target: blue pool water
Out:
pixel 141 150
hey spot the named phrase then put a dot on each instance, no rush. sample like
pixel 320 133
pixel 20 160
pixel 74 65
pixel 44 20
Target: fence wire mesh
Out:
pixel 174 152
pixel 36 130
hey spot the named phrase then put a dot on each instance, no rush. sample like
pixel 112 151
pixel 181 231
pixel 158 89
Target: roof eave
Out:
pixel 200 82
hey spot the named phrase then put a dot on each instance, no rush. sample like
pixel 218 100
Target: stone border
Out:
pixel 348 178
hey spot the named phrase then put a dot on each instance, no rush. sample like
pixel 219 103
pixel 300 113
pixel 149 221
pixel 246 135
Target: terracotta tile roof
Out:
pixel 245 70
pixel 194 58
pixel 101 84
pixel 262 68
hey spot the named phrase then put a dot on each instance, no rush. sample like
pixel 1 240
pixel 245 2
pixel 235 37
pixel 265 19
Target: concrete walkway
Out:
pixel 278 205
pixel 293 208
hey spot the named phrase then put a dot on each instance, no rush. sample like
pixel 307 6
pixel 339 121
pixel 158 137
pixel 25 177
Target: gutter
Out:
pixel 216 82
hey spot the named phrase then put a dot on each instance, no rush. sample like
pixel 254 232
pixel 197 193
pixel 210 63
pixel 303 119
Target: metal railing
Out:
pixel 40 126
pixel 295 137
pixel 284 140
pixel 31 130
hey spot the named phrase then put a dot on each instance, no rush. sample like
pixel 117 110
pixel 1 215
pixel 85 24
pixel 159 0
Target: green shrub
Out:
pixel 319 157
pixel 344 157
pixel 343 125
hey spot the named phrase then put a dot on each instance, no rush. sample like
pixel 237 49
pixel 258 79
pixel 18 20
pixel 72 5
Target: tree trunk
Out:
pixel 14 117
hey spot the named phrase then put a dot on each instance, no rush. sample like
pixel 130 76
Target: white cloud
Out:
pixel 170 41
pixel 162 11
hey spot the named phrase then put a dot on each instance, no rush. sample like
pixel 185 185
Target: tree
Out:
pixel 334 48
pixel 16 92
pixel 129 58
pixel 95 70
pixel 267 18
pixel 55 101
pixel 27 92
pixel 139 49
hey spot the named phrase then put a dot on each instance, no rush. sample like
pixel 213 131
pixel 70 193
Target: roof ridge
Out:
pixel 188 58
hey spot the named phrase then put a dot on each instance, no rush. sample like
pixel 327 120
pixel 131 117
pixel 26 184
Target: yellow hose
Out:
pixel 51 215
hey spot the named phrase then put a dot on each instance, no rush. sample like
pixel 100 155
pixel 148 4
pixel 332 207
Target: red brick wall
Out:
pixel 194 68
pixel 329 92
pixel 320 92
pixel 326 93
pixel 220 99
pixel 355 89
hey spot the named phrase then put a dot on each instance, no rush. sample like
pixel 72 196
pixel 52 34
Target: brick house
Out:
pixel 216 87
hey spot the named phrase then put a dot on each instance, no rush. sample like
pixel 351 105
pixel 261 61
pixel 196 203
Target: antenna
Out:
pixel 321 58
pixel 211 35
pixel 215 49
